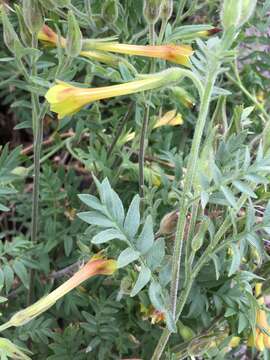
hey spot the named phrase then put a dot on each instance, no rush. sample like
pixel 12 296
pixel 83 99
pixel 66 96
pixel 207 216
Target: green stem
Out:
pixel 189 178
pixel 181 7
pixel 145 121
pixel 177 307
pixel 37 123
pixel 162 31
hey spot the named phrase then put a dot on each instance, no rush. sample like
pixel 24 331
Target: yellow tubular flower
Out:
pixel 178 54
pixel 66 99
pixel 95 266
pixel 261 339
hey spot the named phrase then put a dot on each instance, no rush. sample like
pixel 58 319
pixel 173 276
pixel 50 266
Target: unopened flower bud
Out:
pixel 185 331
pixel 110 11
pixel 32 15
pixel 74 36
pixel 197 242
pixel 183 97
pixel 11 39
pixel 152 10
pixel 168 223
pixel 166 9
pixel 248 7
pixel 235 13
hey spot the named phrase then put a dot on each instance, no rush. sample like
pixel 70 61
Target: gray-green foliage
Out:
pixel 141 246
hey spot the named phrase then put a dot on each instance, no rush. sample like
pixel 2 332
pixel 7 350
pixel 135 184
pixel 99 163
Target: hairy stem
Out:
pixel 189 178
pixel 145 122
pixel 38 134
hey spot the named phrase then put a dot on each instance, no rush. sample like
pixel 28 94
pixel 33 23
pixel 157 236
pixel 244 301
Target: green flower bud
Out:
pixel 248 7
pixel 185 331
pixel 110 11
pixel 166 9
pixel 24 32
pixel 74 36
pixel 152 10
pixel 11 39
pixel 32 15
pixel 198 239
pixel 235 13
pixel 197 242
pixel 183 97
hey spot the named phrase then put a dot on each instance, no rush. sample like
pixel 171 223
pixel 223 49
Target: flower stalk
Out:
pixel 178 304
pixel 95 266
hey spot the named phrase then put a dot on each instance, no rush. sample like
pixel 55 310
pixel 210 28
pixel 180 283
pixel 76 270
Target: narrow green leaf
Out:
pixel 93 202
pixel 132 221
pixel 146 238
pixel 236 259
pixel 204 199
pixel 3 208
pixel 9 277
pixel 95 218
pixel 155 254
pixel 112 201
pixel 107 235
pixel 21 272
pixel 244 188
pixel 229 196
pixel 127 256
pixel 143 278
pixel 155 295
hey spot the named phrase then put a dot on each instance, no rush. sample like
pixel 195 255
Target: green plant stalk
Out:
pixel 191 231
pixel 211 249
pixel 162 31
pixel 189 178
pixel 145 121
pixel 37 124
pixel 181 7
